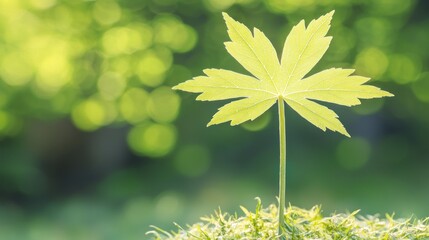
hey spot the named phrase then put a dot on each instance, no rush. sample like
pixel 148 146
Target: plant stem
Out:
pixel 282 171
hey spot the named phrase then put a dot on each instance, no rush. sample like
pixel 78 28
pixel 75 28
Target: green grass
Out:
pixel 300 224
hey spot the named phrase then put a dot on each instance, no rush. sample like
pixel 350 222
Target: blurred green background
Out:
pixel 95 145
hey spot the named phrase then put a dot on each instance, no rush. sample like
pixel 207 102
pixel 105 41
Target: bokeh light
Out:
pixel 152 139
pixel 259 123
pixel 372 62
pixel 106 12
pixel 192 160
pixel 126 40
pixel 404 69
pixel 218 5
pixel 173 33
pixel 15 69
pixel 89 115
pixel 168 205
pixel 111 85
pixel 377 31
pixel 391 7
pixel 153 65
pixel 131 105
pixel 163 105
pixel 42 4
pixel 9 125
pixel 354 153
pixel 421 87
pixel 288 6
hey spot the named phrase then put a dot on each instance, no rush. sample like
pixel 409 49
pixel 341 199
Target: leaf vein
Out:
pixel 257 57
pixel 302 52
pixel 317 115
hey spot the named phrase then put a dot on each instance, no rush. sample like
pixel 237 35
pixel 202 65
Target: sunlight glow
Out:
pixel 163 105
pixel 371 62
pixel 130 105
pixel 106 12
pixel 89 115
pixel 152 139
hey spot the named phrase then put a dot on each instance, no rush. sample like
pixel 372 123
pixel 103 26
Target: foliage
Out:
pixel 283 81
pixel 301 224
pixel 278 82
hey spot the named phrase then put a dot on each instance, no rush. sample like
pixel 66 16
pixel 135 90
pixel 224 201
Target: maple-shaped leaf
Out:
pixel 286 80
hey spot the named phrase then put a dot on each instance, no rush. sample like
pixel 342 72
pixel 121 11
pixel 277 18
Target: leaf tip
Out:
pixel 180 86
pixel 343 131
pixel 388 94
pixel 328 16
pixel 225 16
pixel 211 123
pixel 177 87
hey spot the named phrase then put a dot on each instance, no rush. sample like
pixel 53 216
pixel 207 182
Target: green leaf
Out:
pixel 254 52
pixel 273 82
pixel 222 84
pixel 321 116
pixel 335 85
pixel 303 48
pixel 242 110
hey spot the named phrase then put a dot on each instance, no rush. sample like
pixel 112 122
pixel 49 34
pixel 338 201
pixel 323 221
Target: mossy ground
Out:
pixel 301 224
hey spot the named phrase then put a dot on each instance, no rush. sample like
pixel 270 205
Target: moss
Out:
pixel 301 224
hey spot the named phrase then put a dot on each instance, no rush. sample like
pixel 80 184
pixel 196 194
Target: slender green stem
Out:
pixel 282 171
